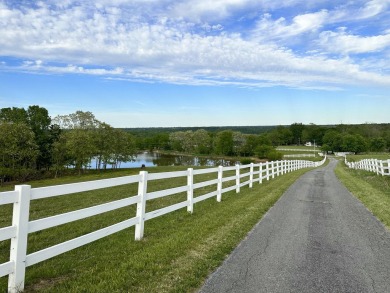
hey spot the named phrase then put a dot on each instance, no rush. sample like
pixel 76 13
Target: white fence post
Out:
pixel 377 166
pixel 142 189
pixel 18 250
pixel 267 170
pixel 190 191
pixel 237 178
pixel 388 167
pixel 382 170
pixel 251 176
pixel 273 169
pixel 260 173
pixel 219 184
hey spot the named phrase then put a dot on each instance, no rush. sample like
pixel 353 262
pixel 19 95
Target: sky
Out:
pixel 164 63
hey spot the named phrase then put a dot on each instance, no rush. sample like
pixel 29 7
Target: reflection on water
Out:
pixel 157 159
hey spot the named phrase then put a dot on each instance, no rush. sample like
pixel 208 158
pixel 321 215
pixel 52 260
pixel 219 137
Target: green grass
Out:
pixel 313 159
pixel 298 148
pixel 371 189
pixel 379 156
pixel 296 152
pixel 177 253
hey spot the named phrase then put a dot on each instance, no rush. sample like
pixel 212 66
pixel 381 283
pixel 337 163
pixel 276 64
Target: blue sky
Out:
pixel 198 62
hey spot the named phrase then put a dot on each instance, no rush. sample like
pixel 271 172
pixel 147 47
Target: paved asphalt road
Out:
pixel 317 238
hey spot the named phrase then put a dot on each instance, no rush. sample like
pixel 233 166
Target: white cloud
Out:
pixel 341 42
pixel 267 28
pixel 197 10
pixel 373 8
pixel 140 41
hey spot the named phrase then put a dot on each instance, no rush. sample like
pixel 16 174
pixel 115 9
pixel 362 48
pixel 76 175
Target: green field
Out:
pixel 298 148
pixel 379 156
pixel 371 189
pixel 177 253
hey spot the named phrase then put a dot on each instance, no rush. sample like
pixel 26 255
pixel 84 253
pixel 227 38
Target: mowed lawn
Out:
pixel 178 251
pixel 378 156
pixel 371 189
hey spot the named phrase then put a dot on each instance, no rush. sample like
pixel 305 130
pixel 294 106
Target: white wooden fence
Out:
pixel 381 167
pixel 299 156
pixel 296 150
pixel 22 195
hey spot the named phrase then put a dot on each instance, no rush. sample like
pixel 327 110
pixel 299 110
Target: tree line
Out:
pixel 32 144
pixel 338 138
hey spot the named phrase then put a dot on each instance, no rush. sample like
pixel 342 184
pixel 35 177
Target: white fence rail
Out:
pixel 297 150
pixel 299 156
pixel 381 167
pixel 22 195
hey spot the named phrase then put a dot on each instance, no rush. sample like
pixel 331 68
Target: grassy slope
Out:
pixel 379 156
pixel 178 252
pixel 372 190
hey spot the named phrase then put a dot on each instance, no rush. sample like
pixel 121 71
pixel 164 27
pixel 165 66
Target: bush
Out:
pixel 263 150
pixel 245 161
pixel 274 155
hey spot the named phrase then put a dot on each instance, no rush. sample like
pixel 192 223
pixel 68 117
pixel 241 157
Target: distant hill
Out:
pixel 366 129
pixel 242 129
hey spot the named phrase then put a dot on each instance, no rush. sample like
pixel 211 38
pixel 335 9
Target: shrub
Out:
pixel 245 161
pixel 263 150
pixel 274 155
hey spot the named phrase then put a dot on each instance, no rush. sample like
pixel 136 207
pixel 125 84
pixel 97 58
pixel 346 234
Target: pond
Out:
pixel 152 159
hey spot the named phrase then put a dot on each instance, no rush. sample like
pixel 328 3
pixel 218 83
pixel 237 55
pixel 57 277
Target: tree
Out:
pixel 361 144
pixel 378 144
pixel 224 143
pixel 161 141
pixel 15 115
pixel 18 151
pixel 239 141
pixel 296 130
pixel 262 151
pixel 39 121
pixel 281 136
pixel 80 147
pixel 60 155
pixel 274 155
pixel 202 141
pixel 176 140
pixel 251 142
pixel 313 133
pixel 354 143
pixel 326 148
pixel 123 147
pixel 103 141
pixel 183 141
pixel 77 120
pixel 333 139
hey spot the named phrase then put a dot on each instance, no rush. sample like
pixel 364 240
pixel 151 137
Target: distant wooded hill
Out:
pixel 243 129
